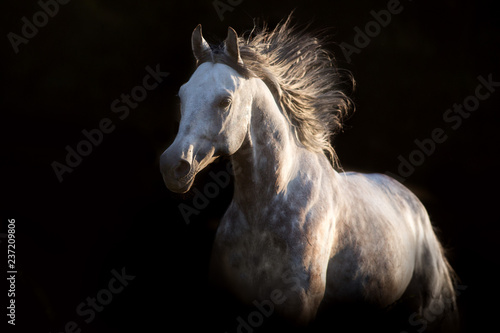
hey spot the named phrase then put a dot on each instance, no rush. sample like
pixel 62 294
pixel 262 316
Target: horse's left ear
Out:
pixel 232 48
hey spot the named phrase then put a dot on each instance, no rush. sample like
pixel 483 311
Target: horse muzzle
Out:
pixel 177 169
pixel 180 166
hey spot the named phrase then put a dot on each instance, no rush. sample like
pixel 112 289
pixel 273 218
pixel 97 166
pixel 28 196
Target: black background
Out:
pixel 114 212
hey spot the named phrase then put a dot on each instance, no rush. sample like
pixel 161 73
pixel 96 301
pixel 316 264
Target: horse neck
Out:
pixel 267 159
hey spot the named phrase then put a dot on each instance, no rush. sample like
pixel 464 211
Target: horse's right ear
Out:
pixel 200 46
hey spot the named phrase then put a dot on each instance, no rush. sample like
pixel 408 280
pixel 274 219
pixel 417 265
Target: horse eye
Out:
pixel 225 102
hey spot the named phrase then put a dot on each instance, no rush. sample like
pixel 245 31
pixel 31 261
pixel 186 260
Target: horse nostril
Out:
pixel 182 169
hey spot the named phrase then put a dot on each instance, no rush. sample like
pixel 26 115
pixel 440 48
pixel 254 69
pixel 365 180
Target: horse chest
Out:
pixel 257 257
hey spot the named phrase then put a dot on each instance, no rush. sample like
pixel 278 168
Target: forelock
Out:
pixel 219 56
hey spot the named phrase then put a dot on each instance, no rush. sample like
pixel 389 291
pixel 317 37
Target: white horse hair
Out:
pixel 272 102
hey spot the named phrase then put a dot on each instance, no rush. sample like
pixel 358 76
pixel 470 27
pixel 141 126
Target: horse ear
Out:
pixel 232 48
pixel 199 45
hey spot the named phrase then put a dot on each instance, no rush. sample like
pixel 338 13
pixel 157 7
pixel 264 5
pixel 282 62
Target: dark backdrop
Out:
pixel 112 212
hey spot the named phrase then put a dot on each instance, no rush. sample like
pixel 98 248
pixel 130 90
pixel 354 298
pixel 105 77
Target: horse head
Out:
pixel 215 113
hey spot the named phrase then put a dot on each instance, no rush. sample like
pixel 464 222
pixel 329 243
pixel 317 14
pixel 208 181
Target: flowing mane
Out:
pixel 302 75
